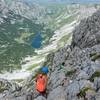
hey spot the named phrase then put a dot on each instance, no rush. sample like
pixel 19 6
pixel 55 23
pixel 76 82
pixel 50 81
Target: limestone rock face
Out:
pixel 87 34
pixel 57 94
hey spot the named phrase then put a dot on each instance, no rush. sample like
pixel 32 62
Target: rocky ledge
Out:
pixel 74 70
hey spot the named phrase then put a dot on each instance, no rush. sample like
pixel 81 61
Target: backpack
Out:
pixel 41 83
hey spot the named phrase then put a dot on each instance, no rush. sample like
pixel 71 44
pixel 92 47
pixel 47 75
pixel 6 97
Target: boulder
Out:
pixel 57 94
pixel 97 97
pixel 40 98
pixel 97 83
pixel 72 90
pixel 90 95
pixel 82 75
pixel 56 78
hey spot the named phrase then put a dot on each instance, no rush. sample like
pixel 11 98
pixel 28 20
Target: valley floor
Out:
pixel 41 54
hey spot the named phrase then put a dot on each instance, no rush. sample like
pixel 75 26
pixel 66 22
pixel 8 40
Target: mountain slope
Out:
pixel 17 32
pixel 20 23
pixel 74 70
pixel 88 28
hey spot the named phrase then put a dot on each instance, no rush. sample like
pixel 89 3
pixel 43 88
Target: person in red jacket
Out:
pixel 41 81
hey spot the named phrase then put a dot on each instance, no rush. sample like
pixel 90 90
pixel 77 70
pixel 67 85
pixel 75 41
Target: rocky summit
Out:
pixel 74 69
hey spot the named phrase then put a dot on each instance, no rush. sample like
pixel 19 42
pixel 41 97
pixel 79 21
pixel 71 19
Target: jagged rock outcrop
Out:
pixel 57 94
pixel 20 7
pixel 80 73
pixel 87 33
pixel 74 70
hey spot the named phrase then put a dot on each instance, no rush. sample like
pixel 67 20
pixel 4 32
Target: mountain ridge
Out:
pixel 17 32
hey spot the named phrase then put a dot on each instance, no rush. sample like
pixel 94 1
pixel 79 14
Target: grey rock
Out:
pixel 72 90
pixel 56 78
pixel 82 75
pixel 40 98
pixel 90 95
pixel 97 97
pixel 89 70
pixel 57 94
pixel 86 34
pixel 85 83
pixel 97 83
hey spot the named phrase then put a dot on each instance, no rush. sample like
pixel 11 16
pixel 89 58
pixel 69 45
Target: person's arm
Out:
pixel 46 80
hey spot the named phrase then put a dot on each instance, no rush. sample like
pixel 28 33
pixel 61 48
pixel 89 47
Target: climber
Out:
pixel 41 81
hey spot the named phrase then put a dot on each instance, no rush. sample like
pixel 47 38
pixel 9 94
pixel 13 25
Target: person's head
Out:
pixel 45 70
